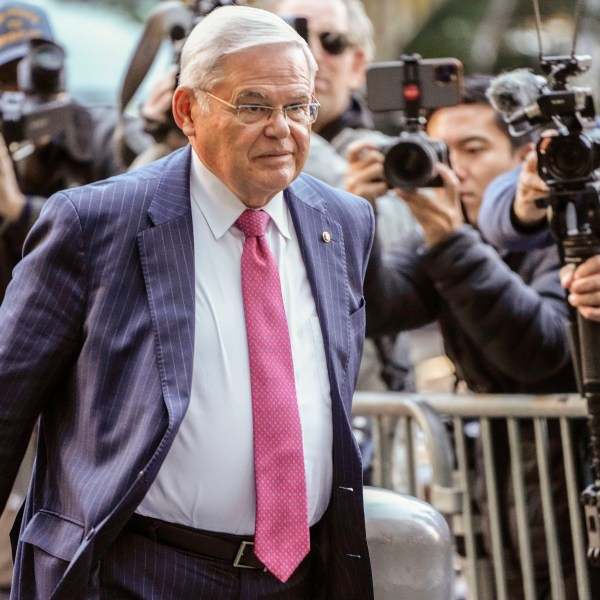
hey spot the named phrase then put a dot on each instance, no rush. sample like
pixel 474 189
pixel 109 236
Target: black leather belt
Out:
pixel 233 549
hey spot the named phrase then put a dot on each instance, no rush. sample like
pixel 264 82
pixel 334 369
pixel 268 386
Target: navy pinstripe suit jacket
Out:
pixel 96 340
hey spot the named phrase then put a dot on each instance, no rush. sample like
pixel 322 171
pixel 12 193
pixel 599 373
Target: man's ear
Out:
pixel 183 101
pixel 359 66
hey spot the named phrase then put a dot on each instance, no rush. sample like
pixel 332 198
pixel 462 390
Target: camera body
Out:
pixel 40 107
pixel 410 160
pixel 569 159
pixel 414 86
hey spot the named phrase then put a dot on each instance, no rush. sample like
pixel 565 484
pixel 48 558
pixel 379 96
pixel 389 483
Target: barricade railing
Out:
pixel 433 430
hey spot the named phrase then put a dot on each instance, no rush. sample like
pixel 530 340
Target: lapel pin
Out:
pixel 326 237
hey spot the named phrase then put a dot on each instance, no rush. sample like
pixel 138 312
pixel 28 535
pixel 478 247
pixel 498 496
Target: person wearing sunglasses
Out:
pixel 340 35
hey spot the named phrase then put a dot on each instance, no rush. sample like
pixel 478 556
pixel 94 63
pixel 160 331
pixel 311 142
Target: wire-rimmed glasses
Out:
pixel 251 114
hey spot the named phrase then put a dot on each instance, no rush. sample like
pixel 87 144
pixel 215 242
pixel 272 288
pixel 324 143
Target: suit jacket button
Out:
pixel 89 534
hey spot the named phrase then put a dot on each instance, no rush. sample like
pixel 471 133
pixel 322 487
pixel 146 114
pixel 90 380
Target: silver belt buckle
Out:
pixel 240 554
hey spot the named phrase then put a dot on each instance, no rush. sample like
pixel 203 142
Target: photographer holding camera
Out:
pixel 511 218
pixel 483 301
pixel 48 142
pixel 340 36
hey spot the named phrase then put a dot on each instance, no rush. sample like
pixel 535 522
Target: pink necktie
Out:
pixel 281 538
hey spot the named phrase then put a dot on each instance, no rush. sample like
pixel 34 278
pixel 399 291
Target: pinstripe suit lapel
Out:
pixel 325 263
pixel 167 254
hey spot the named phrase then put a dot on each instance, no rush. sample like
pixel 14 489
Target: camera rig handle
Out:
pixel 411 93
pixel 574 219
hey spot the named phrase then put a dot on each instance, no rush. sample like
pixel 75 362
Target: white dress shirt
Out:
pixel 207 478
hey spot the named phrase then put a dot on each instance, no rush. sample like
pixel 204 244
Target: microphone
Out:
pixel 515 95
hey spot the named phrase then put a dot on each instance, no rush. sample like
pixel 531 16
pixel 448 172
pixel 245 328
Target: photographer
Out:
pixel 33 169
pixel 80 152
pixel 510 219
pixel 483 301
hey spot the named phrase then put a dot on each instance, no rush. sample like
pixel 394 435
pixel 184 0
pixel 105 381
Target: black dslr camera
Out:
pixel 414 86
pixel 40 107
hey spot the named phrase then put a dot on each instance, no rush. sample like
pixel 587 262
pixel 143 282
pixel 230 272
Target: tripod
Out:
pixel 574 219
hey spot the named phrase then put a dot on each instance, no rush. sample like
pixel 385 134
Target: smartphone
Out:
pixel 440 81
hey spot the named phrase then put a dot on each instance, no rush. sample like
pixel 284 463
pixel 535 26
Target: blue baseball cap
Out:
pixel 19 23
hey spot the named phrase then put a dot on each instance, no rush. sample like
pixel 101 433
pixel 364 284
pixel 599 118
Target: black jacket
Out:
pixel 503 319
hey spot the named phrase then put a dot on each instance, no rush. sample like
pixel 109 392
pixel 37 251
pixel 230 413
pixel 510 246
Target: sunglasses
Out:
pixel 334 43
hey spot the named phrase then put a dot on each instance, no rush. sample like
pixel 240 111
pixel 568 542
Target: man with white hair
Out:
pixel 189 336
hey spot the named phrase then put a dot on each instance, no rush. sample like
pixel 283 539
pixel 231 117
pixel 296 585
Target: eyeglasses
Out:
pixel 334 43
pixel 251 114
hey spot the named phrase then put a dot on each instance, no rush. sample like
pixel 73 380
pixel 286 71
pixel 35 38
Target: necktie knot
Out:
pixel 253 223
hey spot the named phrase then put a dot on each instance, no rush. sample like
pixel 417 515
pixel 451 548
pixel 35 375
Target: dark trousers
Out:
pixel 136 567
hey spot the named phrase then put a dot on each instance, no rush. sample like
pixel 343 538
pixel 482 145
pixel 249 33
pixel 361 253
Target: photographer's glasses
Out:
pixel 334 43
pixel 252 114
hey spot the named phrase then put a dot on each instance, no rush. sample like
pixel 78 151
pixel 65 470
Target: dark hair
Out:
pixel 474 92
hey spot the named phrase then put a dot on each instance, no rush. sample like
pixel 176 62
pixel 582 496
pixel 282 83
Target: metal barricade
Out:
pixel 437 425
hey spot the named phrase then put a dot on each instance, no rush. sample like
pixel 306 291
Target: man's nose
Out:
pixel 459 166
pixel 278 123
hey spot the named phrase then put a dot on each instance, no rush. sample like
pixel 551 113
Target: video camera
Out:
pixel 569 157
pixel 568 154
pixel 414 86
pixel 40 107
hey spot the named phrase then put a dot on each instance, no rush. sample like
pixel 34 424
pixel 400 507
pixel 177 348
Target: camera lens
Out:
pixel 445 74
pixel 47 62
pixel 410 163
pixel 42 69
pixel 569 158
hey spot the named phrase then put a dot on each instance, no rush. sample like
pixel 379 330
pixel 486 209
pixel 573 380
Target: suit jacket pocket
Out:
pixel 357 339
pixel 358 320
pixel 55 534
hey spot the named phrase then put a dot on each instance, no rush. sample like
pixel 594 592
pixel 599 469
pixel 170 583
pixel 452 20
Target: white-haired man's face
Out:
pixel 255 160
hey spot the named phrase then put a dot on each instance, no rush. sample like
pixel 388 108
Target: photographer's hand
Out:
pixel 12 200
pixel 583 284
pixel 438 210
pixel 158 103
pixel 364 175
pixel 529 187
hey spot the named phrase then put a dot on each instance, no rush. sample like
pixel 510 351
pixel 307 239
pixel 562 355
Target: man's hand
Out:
pixel 438 210
pixel 158 103
pixel 12 200
pixel 364 175
pixel 529 187
pixel 583 284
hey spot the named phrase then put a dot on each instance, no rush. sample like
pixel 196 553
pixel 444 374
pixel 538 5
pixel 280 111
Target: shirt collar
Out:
pixel 221 207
